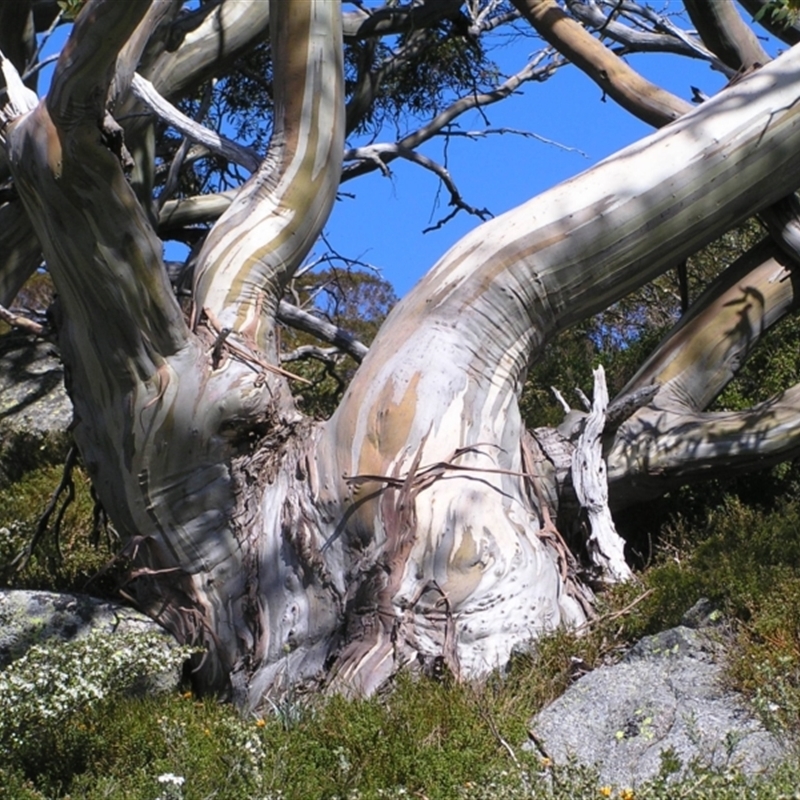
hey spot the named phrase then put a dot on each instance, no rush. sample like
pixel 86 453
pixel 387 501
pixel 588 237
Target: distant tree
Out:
pixel 415 527
pixel 352 300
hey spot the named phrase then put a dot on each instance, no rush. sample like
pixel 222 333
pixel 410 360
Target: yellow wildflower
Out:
pixel 260 723
pixel 626 794
pixel 605 791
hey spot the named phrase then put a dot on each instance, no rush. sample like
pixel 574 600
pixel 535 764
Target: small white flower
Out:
pixel 168 777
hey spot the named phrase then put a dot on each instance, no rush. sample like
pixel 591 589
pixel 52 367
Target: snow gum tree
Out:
pixel 416 527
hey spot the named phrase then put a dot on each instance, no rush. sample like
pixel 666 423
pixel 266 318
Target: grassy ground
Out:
pixel 423 739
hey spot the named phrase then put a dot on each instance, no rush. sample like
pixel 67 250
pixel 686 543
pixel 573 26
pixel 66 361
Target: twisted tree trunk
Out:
pixel 415 526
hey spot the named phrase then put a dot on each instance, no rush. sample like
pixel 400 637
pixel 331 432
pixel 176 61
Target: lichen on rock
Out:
pixel 663 709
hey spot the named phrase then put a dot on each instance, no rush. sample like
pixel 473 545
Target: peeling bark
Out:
pixel 418 527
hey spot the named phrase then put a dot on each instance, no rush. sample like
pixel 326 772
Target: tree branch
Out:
pixel 259 242
pixel 666 448
pixel 643 99
pixel 307 351
pixel 639 41
pixel 216 143
pixel 224 32
pixel 381 153
pixel 178 214
pixel 703 352
pixel 160 14
pixel 23 323
pixel 303 321
pixel 532 71
pixel 97 243
pixel 88 61
pixel 475 134
pixel 370 81
pixel 696 360
pixel 726 34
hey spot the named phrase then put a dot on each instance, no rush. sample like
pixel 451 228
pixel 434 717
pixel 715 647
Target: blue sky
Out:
pixel 383 224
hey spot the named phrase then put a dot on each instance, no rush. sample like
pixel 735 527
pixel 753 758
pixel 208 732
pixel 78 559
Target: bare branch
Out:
pixel 327 355
pixel 726 33
pixel 560 398
pixel 194 210
pixel 21 322
pixel 297 318
pixel 591 15
pixel 452 131
pixel 160 13
pixel 636 12
pixel 534 70
pixel 216 143
pixel 643 99
pixel 381 153
pixel 33 62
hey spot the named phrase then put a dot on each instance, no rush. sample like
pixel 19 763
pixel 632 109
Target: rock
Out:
pixel 35 617
pixel 663 708
pixel 35 411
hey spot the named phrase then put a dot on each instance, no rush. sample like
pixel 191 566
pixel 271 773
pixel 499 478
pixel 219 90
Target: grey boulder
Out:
pixel 30 618
pixel 35 412
pixel 660 710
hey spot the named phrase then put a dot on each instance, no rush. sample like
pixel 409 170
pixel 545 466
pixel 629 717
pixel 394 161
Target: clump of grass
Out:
pixel 398 746
pixel 747 561
pixel 444 740
pixel 421 738
pixel 66 564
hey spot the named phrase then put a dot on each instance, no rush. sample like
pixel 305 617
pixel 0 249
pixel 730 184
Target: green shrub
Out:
pixel 42 692
pixel 72 562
